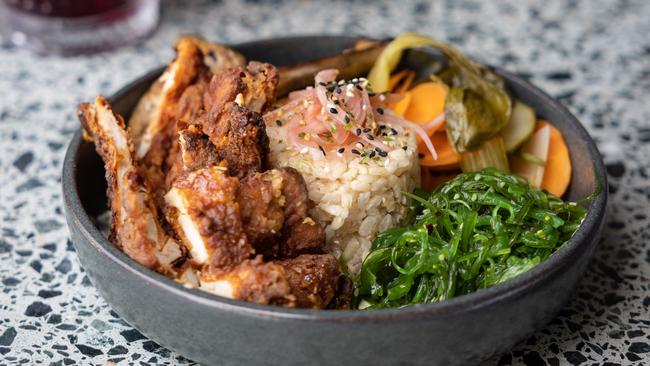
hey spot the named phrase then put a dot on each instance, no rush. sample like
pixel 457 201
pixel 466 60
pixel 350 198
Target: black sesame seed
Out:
pixel 333 110
pixel 378 149
pixel 380 110
pixel 371 94
pixel 394 131
pixel 336 102
pixel 383 154
pixel 347 119
pixel 404 148
pixel 358 87
pixel 366 130
pixel 322 150
pixel 358 132
pixel 338 90
pixel 370 137
pixel 372 154
pixel 341 150
pixel 278 122
pixel 355 151
pixel 321 83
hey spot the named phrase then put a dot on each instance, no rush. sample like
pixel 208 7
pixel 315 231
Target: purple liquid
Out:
pixel 67 8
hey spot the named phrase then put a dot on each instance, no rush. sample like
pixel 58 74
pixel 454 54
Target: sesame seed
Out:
pixel 355 151
pixel 378 149
pixel 371 94
pixel 404 148
pixel 359 87
pixel 322 150
pixel 347 119
pixel 382 97
pixel 380 110
pixel 372 154
pixel 278 122
pixel 383 154
pixel 341 150
pixel 304 150
pixel 370 137
pixel 338 90
pixel 358 132
pixel 321 83
pixel 333 110
pixel 366 130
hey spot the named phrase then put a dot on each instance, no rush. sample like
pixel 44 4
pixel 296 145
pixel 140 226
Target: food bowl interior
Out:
pixel 587 175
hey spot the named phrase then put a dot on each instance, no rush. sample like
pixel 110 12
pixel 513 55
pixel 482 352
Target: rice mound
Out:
pixel 355 198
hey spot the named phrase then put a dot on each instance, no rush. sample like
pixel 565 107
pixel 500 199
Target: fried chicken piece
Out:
pixel 301 233
pixel 274 213
pixel 135 227
pixel 256 83
pixel 255 281
pixel 216 56
pixel 196 149
pixel 179 75
pixel 313 279
pixel 274 206
pixel 233 101
pixel 262 208
pixel 149 109
pixel 251 88
pixel 177 95
pixel 307 281
pixel 239 136
pixel 203 209
pixel 306 236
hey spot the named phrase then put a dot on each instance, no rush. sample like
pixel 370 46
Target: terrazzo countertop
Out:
pixel 594 56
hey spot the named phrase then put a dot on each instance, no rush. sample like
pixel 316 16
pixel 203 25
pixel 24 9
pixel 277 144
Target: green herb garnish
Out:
pixel 475 231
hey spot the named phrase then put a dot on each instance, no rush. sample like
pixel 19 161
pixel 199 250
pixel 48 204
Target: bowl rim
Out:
pixel 483 298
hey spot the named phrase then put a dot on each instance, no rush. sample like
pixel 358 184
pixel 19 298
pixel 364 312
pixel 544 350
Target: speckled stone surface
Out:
pixel 592 55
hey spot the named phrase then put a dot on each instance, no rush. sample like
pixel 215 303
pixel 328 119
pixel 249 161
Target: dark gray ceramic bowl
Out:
pixel 218 331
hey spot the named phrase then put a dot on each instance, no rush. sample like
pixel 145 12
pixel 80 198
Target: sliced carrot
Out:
pixel 427 102
pixel 406 83
pixel 398 78
pixel 447 156
pixel 400 107
pixel 557 174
